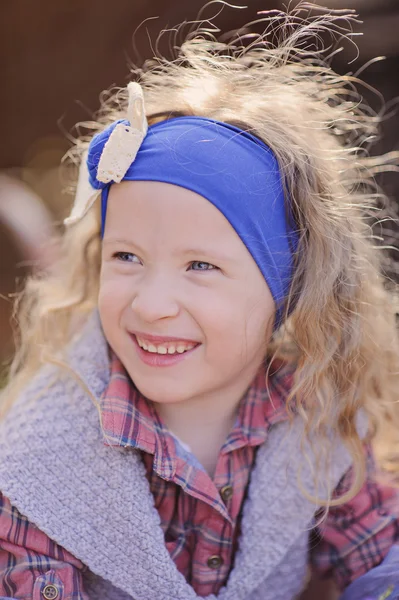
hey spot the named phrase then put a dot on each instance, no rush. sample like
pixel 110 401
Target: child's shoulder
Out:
pixel 64 387
pixel 53 427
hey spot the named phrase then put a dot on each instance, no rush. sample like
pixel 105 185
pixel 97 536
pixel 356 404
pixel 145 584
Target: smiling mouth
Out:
pixel 165 354
pixel 170 348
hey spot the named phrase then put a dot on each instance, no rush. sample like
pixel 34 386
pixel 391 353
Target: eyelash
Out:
pixel 119 255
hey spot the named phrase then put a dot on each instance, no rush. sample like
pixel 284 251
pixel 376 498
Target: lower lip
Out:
pixel 154 359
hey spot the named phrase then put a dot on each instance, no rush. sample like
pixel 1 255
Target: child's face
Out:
pixel 159 246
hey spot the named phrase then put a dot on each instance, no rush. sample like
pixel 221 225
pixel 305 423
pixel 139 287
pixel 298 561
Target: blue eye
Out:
pixel 202 266
pixel 125 257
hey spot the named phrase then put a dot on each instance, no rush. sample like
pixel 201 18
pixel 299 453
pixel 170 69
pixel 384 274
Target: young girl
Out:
pixel 199 379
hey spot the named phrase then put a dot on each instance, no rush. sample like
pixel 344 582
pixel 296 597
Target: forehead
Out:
pixel 138 207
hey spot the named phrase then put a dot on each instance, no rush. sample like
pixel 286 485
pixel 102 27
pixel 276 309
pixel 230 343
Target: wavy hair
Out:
pixel 341 332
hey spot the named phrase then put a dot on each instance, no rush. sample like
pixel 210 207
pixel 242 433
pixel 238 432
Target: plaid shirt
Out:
pixel 201 516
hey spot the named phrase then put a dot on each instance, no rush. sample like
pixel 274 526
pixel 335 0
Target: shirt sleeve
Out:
pixel 356 536
pixel 31 564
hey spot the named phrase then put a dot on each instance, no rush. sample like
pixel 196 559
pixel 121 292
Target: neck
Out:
pixel 203 423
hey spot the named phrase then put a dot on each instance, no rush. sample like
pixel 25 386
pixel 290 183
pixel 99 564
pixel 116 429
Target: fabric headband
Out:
pixel 232 169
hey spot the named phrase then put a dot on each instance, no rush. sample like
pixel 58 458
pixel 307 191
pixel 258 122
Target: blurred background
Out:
pixel 57 57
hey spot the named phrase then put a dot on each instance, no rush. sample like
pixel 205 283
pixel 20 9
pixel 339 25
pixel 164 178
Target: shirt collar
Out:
pixel 263 405
pixel 129 419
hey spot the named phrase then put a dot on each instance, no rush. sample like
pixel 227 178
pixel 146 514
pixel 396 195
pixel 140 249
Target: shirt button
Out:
pixel 226 492
pixel 214 562
pixel 50 592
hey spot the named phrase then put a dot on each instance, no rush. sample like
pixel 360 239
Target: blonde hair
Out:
pixel 341 334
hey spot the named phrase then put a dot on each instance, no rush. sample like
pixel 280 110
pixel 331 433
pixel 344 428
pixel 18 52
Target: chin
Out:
pixel 160 394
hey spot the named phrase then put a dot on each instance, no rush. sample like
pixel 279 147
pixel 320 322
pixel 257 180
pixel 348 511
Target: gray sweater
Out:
pixel 95 501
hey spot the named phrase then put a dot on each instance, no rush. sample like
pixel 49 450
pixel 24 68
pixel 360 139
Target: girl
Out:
pixel 200 377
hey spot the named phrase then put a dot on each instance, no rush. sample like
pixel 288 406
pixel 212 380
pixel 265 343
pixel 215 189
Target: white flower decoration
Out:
pixel 118 154
pixel 124 142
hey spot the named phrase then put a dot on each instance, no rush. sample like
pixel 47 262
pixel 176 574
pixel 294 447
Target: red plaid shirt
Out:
pixel 201 516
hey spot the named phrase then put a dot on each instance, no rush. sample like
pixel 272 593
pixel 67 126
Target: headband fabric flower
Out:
pixel 118 154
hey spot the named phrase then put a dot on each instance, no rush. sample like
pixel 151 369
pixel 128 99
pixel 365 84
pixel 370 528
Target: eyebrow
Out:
pixel 118 241
pixel 214 254
pixel 188 251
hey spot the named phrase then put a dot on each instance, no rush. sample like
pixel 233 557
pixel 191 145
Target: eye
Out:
pixel 125 257
pixel 199 265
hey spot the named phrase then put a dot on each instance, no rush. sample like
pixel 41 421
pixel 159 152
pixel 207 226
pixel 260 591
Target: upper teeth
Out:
pixel 166 348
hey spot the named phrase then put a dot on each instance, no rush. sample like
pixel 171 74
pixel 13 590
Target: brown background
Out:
pixel 56 57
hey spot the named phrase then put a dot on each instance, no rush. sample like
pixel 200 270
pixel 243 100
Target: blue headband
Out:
pixel 231 168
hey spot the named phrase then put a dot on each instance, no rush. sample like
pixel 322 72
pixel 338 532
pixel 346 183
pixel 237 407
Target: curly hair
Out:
pixel 341 333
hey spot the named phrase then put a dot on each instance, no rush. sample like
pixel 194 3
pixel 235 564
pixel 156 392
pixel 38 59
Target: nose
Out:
pixel 155 299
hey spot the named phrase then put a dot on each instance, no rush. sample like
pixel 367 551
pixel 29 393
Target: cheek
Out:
pixel 259 327
pixel 114 295
pixel 238 326
pixel 112 303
